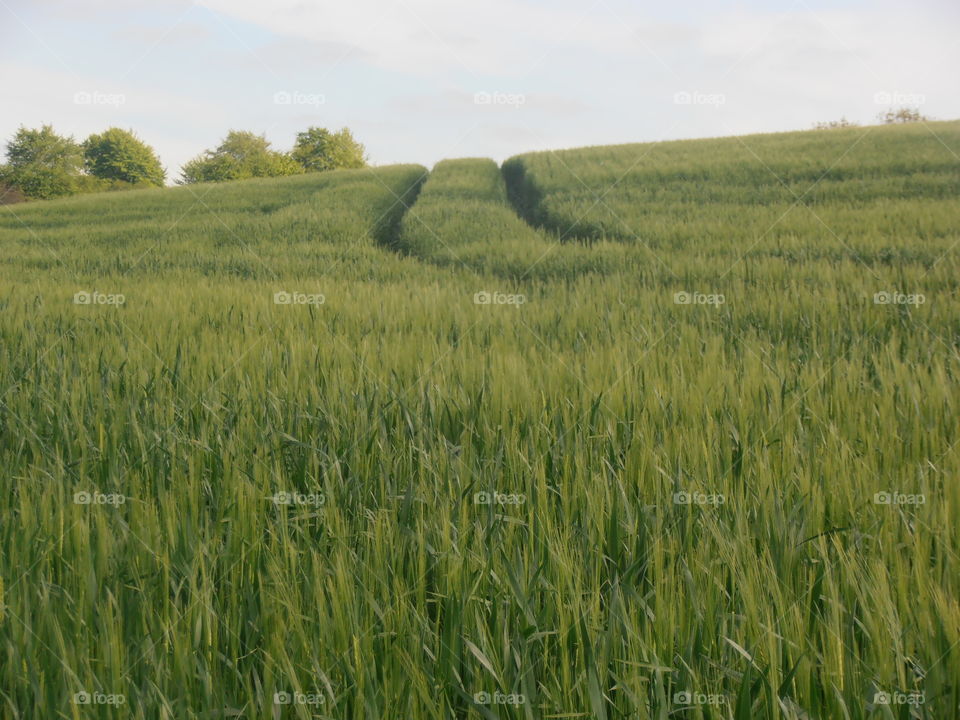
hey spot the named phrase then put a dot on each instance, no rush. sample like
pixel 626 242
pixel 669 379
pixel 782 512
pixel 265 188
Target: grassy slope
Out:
pixel 462 219
pixel 872 188
pixel 250 229
pixel 399 399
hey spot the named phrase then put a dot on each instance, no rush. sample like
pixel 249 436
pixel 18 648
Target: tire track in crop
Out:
pixel 465 219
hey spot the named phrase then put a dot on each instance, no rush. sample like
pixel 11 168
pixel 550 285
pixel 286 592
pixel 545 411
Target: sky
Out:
pixel 422 80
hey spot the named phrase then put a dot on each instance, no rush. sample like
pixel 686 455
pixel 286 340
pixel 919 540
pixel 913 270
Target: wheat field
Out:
pixel 677 438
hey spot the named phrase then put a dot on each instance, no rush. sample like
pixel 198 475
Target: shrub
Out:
pixel 241 155
pixel 119 155
pixel 832 124
pixel 42 164
pixel 318 149
pixel 902 115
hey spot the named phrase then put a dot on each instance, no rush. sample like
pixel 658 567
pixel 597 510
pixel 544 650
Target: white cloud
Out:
pixel 34 96
pixel 403 73
pixel 494 36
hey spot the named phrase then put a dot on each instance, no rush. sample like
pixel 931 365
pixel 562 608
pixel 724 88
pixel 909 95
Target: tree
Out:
pixel 241 155
pixel 318 149
pixel 42 164
pixel 117 154
pixel 833 124
pixel 902 115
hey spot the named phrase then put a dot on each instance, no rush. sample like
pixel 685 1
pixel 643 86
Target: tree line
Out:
pixel 42 164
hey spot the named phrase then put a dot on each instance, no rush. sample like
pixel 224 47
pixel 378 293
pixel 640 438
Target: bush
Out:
pixel 119 155
pixel 902 115
pixel 318 149
pixel 832 124
pixel 241 155
pixel 42 164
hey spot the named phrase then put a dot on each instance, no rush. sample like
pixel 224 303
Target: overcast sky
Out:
pixel 421 80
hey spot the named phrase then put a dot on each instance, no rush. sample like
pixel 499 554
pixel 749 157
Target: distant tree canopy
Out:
pixel 241 155
pixel 42 164
pixel 318 149
pixel 832 124
pixel 247 155
pixel 902 115
pixel 117 154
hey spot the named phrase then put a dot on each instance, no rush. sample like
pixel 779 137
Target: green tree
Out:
pixel 117 154
pixel 902 115
pixel 241 155
pixel 833 124
pixel 318 149
pixel 42 164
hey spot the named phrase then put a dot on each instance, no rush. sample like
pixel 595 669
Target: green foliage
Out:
pixel 676 198
pixel 318 149
pixel 117 154
pixel 402 595
pixel 833 124
pixel 901 116
pixel 241 155
pixel 462 219
pixel 42 164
